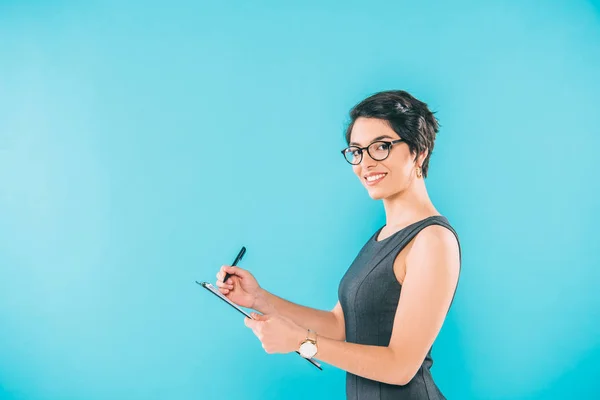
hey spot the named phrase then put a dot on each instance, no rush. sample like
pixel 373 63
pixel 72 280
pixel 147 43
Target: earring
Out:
pixel 419 172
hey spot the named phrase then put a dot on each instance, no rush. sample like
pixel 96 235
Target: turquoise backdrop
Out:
pixel 143 143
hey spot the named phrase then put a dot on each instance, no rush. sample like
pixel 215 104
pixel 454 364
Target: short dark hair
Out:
pixel 410 118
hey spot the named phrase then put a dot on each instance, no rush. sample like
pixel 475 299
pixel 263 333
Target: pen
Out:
pixel 237 260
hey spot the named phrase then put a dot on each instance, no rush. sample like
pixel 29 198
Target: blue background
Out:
pixel 142 144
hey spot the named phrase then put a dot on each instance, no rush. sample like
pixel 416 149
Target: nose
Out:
pixel 367 161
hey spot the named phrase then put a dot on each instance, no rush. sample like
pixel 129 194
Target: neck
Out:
pixel 409 205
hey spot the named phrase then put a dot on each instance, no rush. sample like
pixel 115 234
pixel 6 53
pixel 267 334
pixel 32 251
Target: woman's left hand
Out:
pixel 277 333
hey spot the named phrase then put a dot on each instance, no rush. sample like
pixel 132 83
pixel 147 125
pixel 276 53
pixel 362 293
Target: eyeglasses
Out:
pixel 378 151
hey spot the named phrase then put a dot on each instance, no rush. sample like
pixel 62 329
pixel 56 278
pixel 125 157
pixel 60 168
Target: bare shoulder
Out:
pixel 436 236
pixel 436 244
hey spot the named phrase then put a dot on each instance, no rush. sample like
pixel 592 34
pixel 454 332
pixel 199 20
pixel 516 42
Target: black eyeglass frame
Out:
pixel 390 143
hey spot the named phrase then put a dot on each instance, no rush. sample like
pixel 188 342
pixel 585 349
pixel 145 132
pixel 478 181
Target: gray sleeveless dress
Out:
pixel 369 294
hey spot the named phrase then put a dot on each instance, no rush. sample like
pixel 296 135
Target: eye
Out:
pixel 383 146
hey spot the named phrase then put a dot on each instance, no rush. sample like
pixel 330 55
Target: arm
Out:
pixel 243 289
pixel 432 268
pixel 329 324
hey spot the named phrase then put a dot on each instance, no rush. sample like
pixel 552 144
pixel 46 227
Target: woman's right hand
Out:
pixel 241 286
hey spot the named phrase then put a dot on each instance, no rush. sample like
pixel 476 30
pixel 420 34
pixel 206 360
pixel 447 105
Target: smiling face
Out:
pixel 388 177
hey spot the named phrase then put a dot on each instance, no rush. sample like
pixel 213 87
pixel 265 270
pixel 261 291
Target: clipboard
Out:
pixel 211 288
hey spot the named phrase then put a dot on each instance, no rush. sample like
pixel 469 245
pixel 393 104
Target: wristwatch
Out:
pixel 308 348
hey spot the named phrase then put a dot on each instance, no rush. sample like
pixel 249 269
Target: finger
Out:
pixel 224 285
pixel 256 326
pixel 224 291
pixel 222 272
pixel 259 317
pixel 232 270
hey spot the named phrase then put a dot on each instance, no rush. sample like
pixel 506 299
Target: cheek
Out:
pixel 398 170
pixel 357 170
pixel 401 165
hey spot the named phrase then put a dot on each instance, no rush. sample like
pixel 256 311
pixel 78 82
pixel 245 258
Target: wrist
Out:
pixel 300 337
pixel 261 302
pixel 308 347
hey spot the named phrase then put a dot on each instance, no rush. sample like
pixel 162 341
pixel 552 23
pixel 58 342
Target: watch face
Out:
pixel 308 349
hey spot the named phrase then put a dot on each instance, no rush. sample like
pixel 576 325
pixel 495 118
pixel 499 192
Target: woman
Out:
pixel 395 296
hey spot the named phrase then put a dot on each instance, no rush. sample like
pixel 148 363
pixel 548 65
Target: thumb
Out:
pixel 259 317
pixel 233 270
pixel 250 323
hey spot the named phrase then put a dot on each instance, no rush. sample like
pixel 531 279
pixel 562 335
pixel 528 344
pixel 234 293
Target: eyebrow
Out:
pixel 374 140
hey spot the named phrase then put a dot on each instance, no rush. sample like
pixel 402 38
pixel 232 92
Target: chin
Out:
pixel 381 193
pixel 376 194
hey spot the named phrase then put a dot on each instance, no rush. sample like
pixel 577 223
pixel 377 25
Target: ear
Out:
pixel 420 159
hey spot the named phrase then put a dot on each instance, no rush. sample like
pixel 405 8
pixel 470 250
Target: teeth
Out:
pixel 374 177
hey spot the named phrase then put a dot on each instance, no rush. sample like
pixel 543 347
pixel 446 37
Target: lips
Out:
pixel 374 178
